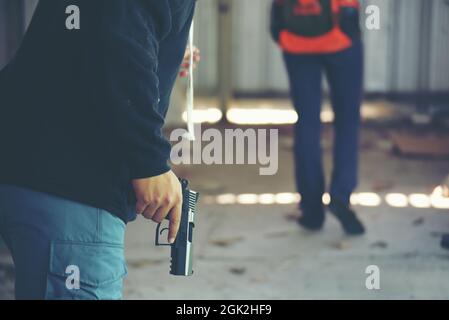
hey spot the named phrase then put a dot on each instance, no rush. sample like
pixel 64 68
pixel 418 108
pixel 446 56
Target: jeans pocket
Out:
pixel 85 271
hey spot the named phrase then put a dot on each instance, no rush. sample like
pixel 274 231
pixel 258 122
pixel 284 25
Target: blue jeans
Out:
pixel 62 249
pixel 344 72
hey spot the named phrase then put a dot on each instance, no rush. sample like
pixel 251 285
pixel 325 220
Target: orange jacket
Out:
pixel 334 41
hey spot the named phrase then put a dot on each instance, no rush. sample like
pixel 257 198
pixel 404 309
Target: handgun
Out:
pixel 182 248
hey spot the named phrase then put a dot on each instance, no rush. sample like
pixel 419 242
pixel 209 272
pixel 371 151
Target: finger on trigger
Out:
pixel 175 222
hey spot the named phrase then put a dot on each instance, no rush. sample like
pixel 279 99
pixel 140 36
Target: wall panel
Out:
pixel 393 54
pixel 439 61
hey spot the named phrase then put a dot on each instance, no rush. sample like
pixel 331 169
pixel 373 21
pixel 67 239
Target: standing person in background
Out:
pixel 319 36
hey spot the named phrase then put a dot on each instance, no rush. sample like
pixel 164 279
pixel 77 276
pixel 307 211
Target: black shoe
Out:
pixel 445 242
pixel 312 221
pixel 347 217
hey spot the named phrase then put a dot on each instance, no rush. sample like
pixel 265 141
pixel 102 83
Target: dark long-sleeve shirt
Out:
pixel 82 111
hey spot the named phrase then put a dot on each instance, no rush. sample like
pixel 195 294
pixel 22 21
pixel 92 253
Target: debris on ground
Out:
pixel 341 245
pixel 436 234
pixel 226 242
pixel 292 216
pixel 277 234
pixel 418 222
pixel 382 185
pixel 445 241
pixel 385 145
pixel 367 144
pixel 258 279
pixel 421 144
pixel 379 245
pixel 142 263
pixel 238 271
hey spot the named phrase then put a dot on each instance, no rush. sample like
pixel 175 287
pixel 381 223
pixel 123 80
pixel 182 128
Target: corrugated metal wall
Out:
pixel 405 53
pixel 439 57
pixel 401 57
pixel 393 54
pixel 257 61
pixel 206 35
pixel 378 48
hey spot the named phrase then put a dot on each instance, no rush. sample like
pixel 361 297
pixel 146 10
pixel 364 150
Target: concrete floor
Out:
pixel 254 252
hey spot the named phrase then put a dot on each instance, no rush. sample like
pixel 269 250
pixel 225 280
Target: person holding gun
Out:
pixel 319 36
pixel 81 118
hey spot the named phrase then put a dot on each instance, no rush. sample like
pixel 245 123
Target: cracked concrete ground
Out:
pixel 254 252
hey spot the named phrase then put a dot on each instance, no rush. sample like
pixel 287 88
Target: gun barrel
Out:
pixel 182 249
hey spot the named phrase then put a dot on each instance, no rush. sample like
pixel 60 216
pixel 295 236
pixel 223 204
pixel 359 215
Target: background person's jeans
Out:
pixel 344 72
pixel 49 236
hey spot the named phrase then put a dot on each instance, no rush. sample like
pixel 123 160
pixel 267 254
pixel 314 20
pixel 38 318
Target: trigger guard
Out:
pixel 159 233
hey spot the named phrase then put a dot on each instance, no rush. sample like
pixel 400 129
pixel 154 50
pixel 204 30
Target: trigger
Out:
pixel 159 232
